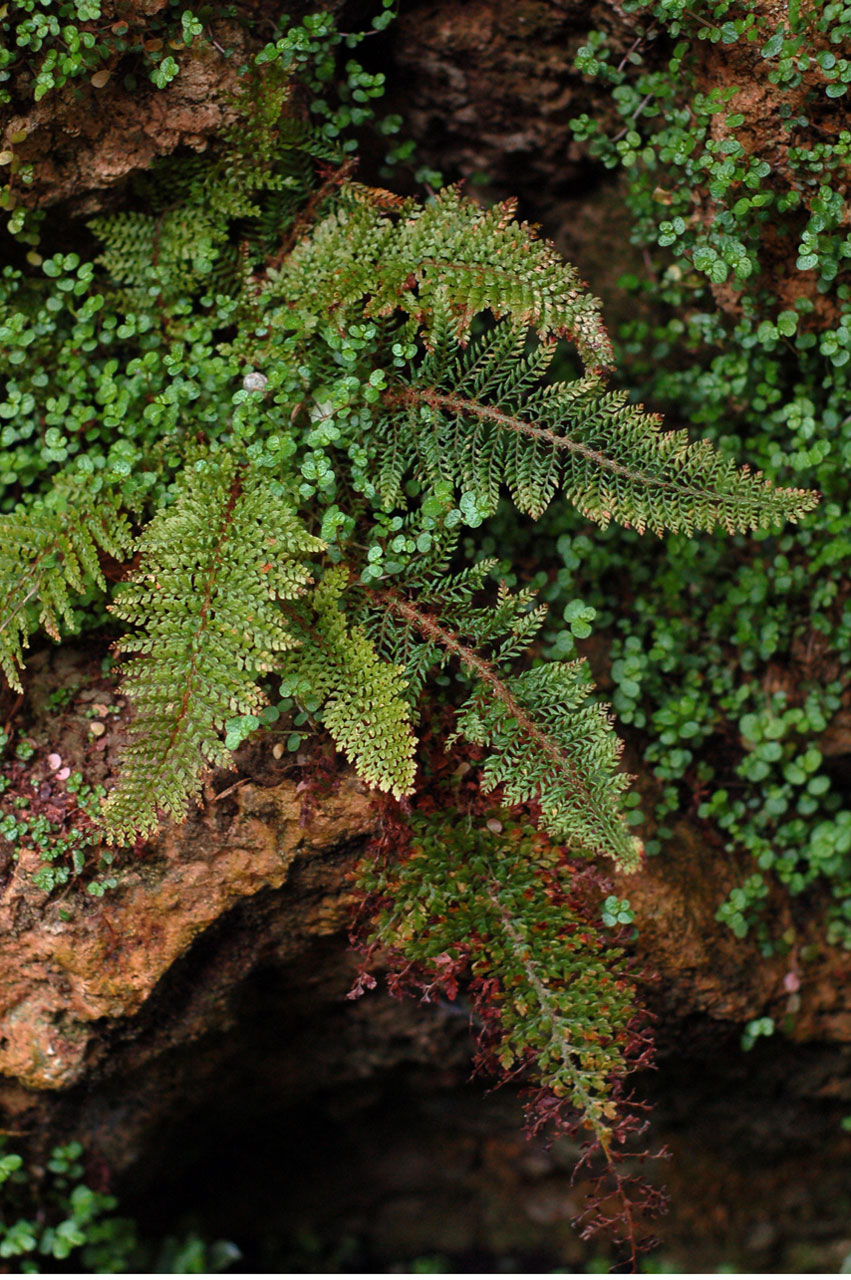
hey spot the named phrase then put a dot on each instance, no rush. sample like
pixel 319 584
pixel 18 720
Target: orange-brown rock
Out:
pixel 68 968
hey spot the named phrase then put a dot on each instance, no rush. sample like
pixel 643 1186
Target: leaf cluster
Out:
pixel 52 1221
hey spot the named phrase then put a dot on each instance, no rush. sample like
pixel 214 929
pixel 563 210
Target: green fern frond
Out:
pixel 361 696
pixel 487 261
pixel 548 741
pixel 484 419
pixel 47 551
pixel 173 249
pixel 204 599
pixel 448 251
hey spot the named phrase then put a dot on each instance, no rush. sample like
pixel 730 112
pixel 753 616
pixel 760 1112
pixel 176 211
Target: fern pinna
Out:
pixel 304 395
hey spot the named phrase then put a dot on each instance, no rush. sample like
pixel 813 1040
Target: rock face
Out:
pixel 130 1001
pixel 70 972
pixel 201 1005
pixel 487 89
pixel 703 969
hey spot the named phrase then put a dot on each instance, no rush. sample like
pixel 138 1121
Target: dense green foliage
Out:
pixel 307 403
pixel 746 333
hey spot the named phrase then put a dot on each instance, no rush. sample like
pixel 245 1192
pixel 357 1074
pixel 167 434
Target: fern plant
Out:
pixel 285 400
pixel 213 568
pixel 394 361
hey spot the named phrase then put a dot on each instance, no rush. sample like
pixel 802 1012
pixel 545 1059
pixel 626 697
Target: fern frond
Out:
pixel 485 418
pixel 451 251
pixel 361 696
pixel 555 996
pixel 204 598
pixel 487 261
pixel 47 551
pixel 548 741
pixel 173 249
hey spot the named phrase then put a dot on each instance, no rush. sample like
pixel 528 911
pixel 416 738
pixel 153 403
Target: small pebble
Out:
pixel 278 750
pixel 494 825
pixel 63 774
pixel 254 381
pixel 792 982
pixel 97 728
pixel 54 761
pixel 100 709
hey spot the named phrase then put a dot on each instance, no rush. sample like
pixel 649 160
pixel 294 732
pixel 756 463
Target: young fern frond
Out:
pixel 482 418
pixel 205 601
pixel 359 695
pixel 48 551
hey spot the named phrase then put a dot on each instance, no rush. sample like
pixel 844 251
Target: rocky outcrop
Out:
pixel 444 59
pixel 73 966
pixel 85 138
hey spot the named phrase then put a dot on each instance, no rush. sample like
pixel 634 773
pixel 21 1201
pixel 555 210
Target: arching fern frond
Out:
pixel 204 600
pixel 482 418
pixel 48 551
pixel 359 697
pixel 549 742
